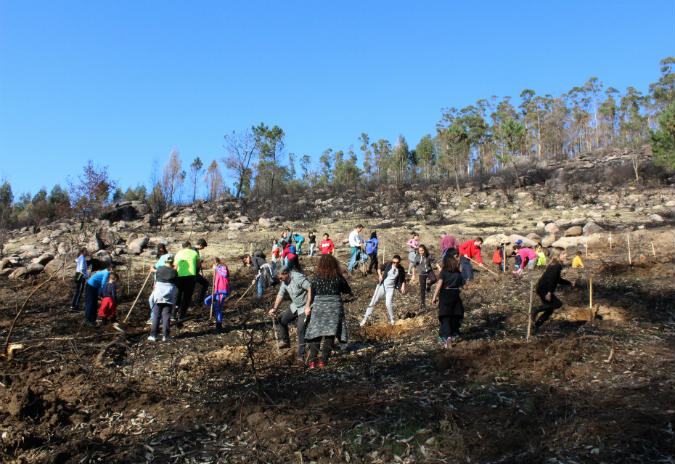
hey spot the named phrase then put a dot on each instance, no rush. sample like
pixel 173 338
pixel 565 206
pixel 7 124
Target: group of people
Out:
pixel 316 306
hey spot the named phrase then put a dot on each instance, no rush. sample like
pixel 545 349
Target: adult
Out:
pixel 299 289
pixel 80 278
pixel 413 247
pixel 372 245
pixel 187 262
pixel 355 245
pixel 424 264
pixel 299 240
pixel 447 242
pixel 547 285
pixel 326 246
pixel 199 278
pixel 447 295
pixel 470 250
pixel 163 298
pixel 391 277
pixel 325 310
pixel 527 257
pixel 92 290
pixel 264 271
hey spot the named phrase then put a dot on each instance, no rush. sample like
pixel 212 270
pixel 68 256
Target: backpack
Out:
pixel 291 248
pixel 497 257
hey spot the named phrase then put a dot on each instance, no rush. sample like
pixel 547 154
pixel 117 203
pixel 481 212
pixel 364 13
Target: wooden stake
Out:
pixel 586 245
pixel 610 240
pixel 630 261
pixel 529 313
pixel 653 249
pixel 504 258
pixel 138 296
pixel 213 295
pixel 128 274
pixel 590 299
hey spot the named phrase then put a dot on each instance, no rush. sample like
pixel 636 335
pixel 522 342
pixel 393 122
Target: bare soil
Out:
pixel 593 385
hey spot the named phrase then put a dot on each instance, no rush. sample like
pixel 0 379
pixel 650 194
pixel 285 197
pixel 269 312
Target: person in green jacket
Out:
pixel 186 263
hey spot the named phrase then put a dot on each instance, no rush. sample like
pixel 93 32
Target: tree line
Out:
pixel 476 140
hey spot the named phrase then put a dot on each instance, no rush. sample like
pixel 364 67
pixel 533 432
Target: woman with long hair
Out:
pixel 447 295
pixel 326 311
pixel 547 285
pixel 424 263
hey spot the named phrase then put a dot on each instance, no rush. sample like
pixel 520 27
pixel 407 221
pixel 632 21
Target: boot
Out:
pixel 219 327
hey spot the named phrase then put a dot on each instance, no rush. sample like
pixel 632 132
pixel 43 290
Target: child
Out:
pixel 326 245
pixel 527 257
pixel 392 276
pixel 425 263
pixel 413 244
pixel 276 251
pixel 517 259
pixel 299 240
pixel 312 243
pixel 92 290
pixel 577 262
pixel 450 306
pixel 371 249
pixel 541 256
pixel 221 290
pixel 547 285
pixel 163 298
pixel 80 278
pixel 498 258
pixel 108 301
pixel 290 257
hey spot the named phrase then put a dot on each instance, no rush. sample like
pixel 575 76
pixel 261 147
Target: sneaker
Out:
pixel 73 309
pixel 152 338
pixel 148 322
pixel 322 364
pixel 312 365
pixel 117 327
pixel 164 339
pixel 448 341
pixel 90 324
pixel 362 323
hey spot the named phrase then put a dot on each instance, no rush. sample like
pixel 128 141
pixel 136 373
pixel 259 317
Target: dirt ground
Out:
pixel 593 385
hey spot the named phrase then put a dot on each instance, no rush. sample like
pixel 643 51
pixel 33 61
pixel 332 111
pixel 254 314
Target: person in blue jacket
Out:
pixel 92 291
pixel 371 249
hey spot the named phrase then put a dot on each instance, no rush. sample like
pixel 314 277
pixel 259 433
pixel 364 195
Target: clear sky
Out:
pixel 124 82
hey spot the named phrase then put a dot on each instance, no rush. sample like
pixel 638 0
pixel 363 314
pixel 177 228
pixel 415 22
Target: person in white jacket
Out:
pixel 163 298
pixel 355 245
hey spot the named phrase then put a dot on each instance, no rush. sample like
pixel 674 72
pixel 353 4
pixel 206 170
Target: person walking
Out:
pixel 447 295
pixel 547 285
pixel 325 310
pixel 413 245
pixel 199 278
pixel 186 260
pixel 447 242
pixel 355 246
pixel 163 298
pixel 80 278
pixel 312 243
pixel 372 245
pixel 424 263
pixel 299 289
pixel 391 277
pixel 221 290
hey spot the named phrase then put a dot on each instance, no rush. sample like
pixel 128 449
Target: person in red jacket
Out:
pixel 326 245
pixel 291 257
pixel 470 250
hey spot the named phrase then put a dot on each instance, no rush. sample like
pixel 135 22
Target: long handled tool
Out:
pixel 138 296
pixel 276 338
pixel 249 288
pixel 213 296
pixel 484 267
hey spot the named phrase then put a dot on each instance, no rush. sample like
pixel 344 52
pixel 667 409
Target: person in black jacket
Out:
pixel 547 285
pixel 392 277
pixel 447 295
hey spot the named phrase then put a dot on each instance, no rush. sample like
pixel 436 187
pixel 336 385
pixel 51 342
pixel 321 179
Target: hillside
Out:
pixel 593 385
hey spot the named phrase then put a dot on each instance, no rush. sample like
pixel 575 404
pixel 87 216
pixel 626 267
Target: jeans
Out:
pixel 312 246
pixel 163 310
pixel 388 294
pixel 260 288
pixel 287 317
pixel 353 257
pixel 79 286
pixel 467 269
pixel 411 258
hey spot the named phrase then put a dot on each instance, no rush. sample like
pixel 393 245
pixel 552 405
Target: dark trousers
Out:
pixel 79 286
pixel 90 303
pixel 186 286
pixel 163 310
pixel 546 308
pixel 467 269
pixel 203 288
pixel 287 317
pixel 373 262
pixel 326 349
pixel 423 289
pixel 449 326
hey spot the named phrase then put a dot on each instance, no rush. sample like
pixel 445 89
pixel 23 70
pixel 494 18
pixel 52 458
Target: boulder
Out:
pixel 18 273
pixel 655 218
pixel 266 222
pixel 34 268
pixel 527 242
pixel 103 256
pixel 94 244
pixel 62 248
pixel 548 240
pixel 4 263
pixel 534 237
pixel 55 264
pixel 574 231
pixel 540 227
pixel 551 228
pixel 234 225
pixel 591 240
pixel 212 219
pixel 245 219
pixel 136 245
pixel 592 228
pixel 5 272
pixel 43 259
pixel 190 220
pixel 493 241
pixel 27 248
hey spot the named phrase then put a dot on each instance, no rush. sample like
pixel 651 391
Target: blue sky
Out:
pixel 122 83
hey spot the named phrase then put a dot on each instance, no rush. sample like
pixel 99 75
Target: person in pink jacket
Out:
pixel 527 256
pixel 221 290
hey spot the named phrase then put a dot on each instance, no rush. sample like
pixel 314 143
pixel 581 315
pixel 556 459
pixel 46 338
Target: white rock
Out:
pixel 574 231
pixel 551 228
pixel 592 228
